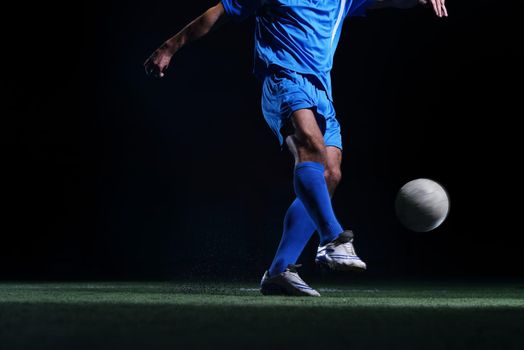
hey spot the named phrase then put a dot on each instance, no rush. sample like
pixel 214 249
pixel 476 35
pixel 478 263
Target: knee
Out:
pixel 333 177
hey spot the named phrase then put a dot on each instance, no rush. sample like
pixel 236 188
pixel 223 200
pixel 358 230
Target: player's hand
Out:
pixel 157 64
pixel 439 6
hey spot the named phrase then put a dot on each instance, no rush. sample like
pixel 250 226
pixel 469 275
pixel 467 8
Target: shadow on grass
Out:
pixel 143 326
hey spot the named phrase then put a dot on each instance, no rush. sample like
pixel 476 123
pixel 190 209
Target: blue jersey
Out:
pixel 300 35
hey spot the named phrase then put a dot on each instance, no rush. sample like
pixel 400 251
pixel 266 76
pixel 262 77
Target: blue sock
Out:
pixel 298 229
pixel 311 188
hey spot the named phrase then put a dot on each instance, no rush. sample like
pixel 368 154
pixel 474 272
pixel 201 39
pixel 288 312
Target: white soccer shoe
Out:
pixel 286 283
pixel 340 254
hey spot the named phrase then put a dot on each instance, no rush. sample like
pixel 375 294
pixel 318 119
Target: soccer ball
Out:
pixel 422 205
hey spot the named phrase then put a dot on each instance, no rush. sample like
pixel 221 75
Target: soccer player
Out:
pixel 295 41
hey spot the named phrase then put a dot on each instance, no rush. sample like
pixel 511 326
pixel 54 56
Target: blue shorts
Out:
pixel 285 91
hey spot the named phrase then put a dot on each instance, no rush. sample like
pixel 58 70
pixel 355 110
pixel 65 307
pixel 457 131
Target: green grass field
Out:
pixel 191 315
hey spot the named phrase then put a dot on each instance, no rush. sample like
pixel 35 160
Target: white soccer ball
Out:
pixel 422 205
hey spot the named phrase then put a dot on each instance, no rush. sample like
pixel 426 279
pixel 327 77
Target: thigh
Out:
pixel 306 128
pixel 284 93
pixel 306 142
pixel 332 133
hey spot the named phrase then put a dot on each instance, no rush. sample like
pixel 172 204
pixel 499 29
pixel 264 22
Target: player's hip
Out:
pixel 285 91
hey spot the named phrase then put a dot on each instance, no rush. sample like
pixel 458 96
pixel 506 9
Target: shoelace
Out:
pixel 350 249
pixel 293 270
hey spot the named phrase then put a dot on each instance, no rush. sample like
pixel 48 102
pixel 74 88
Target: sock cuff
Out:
pixel 314 165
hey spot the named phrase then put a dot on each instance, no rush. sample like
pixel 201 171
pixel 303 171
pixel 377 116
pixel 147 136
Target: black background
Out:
pixel 108 174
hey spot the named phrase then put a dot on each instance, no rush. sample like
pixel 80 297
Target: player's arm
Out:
pixel 158 62
pixel 439 6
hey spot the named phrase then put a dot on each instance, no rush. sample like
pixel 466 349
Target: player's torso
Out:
pixel 316 18
pixel 312 27
pixel 325 6
pixel 300 35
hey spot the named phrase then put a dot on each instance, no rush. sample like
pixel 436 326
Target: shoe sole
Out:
pixel 340 267
pixel 276 290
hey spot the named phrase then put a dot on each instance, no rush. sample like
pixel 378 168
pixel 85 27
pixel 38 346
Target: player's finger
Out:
pixel 445 10
pixel 435 8
pixel 443 7
pixel 439 6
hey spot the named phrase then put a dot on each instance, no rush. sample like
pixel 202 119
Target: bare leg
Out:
pixel 333 172
pixel 312 171
pixel 298 226
pixel 307 142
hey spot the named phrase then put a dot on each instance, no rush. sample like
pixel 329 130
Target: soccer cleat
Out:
pixel 286 283
pixel 340 254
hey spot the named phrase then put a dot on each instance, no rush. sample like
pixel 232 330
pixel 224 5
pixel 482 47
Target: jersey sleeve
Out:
pixel 239 10
pixel 359 7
